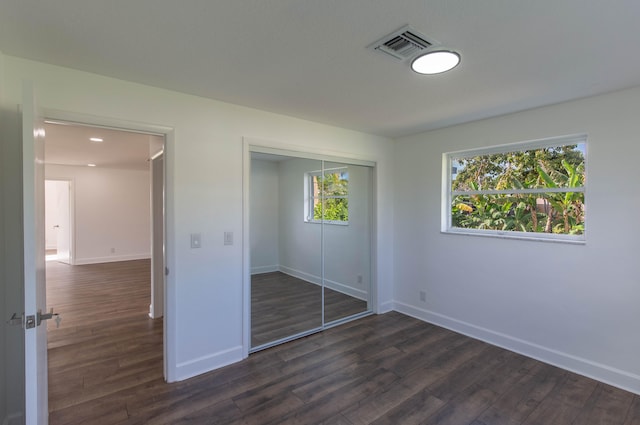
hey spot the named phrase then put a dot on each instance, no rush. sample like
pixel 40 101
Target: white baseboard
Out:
pixel 153 314
pixel 265 269
pixel 111 259
pixel 601 372
pixel 301 275
pixel 346 289
pixel 385 307
pixel 191 368
pixel 336 286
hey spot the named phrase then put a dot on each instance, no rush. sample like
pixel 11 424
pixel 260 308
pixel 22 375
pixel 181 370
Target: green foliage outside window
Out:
pixel 331 197
pixel 535 171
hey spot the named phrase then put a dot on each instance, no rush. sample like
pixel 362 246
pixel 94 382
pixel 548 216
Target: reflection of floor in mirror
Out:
pixel 282 305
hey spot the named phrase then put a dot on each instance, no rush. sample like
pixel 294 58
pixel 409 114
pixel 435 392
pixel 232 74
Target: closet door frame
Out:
pixel 267 147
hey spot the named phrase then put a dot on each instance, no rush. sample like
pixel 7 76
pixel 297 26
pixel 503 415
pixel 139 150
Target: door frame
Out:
pixel 169 325
pixel 158 208
pixel 249 145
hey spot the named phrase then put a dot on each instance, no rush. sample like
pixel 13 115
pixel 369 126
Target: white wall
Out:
pixel 204 176
pixel 264 216
pixel 572 305
pixel 112 212
pixel 300 241
pixel 346 248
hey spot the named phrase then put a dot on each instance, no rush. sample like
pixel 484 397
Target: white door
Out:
pixel 35 345
pixel 63 240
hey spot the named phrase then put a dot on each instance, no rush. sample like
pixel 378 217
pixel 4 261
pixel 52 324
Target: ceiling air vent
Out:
pixel 404 44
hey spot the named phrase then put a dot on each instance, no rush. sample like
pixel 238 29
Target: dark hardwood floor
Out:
pixel 282 305
pixel 384 369
pixel 106 342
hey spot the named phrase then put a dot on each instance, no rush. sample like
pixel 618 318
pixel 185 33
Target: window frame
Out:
pixel 448 194
pixel 309 198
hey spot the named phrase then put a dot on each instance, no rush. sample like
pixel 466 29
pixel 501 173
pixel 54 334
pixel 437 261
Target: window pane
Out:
pixel 333 184
pixel 335 209
pixel 559 213
pixel 550 167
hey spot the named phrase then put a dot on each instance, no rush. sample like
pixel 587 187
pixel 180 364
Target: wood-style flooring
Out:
pixel 381 369
pixel 106 342
pixel 282 305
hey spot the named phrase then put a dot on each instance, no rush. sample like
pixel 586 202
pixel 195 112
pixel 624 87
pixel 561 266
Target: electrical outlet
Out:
pixel 423 296
pixel 113 250
pixel 359 278
pixel 228 238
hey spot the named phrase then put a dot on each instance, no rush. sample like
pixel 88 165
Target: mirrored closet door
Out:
pixel 310 244
pixel 346 240
pixel 286 260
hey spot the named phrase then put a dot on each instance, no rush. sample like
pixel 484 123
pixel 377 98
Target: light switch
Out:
pixel 228 238
pixel 195 240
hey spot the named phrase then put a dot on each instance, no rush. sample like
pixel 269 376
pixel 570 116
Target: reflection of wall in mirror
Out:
pixel 347 248
pixel 263 216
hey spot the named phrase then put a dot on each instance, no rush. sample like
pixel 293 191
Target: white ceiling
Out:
pixel 309 58
pixel 69 144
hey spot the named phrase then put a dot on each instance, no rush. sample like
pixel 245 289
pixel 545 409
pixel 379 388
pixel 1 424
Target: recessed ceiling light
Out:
pixel 96 139
pixel 435 62
pixel 56 122
pixel 91 165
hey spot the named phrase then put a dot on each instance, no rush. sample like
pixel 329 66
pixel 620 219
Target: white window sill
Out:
pixel 529 236
pixel 336 223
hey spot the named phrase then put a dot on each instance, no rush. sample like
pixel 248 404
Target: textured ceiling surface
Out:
pixel 309 59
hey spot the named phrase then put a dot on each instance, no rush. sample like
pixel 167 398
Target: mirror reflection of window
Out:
pixel 329 196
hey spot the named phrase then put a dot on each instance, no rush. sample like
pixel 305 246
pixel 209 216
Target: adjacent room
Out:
pixel 419 211
pixel 103 277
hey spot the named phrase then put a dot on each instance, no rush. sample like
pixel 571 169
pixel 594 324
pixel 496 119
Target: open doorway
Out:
pixel 58 230
pixel 109 288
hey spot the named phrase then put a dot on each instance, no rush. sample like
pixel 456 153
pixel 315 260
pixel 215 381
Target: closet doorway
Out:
pixel 310 227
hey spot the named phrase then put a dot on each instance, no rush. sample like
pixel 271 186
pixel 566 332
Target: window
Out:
pixel 327 196
pixel 530 190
